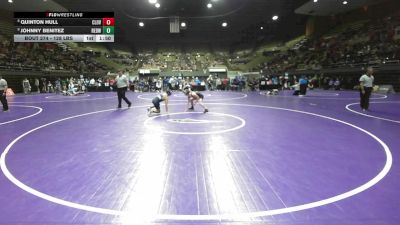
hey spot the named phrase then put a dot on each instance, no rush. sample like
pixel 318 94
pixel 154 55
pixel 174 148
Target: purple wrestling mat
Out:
pixel 253 159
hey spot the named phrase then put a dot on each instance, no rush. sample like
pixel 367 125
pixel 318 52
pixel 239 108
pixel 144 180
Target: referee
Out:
pixel 122 85
pixel 366 84
pixel 3 94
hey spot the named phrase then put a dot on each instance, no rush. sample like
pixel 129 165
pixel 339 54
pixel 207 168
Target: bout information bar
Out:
pixel 64 26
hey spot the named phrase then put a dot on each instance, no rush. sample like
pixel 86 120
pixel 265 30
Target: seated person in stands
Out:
pixel 159 84
pixel 225 84
pixel 197 81
pixel 252 84
pixel 336 84
pixel 49 87
pixel 262 83
pixel 92 82
pixel 57 87
pixel 330 84
pixel 235 84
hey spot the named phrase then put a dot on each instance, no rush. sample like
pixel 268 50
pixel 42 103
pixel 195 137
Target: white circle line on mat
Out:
pixel 64 96
pixel 381 96
pixel 242 124
pixel 371 116
pixel 73 100
pixel 217 98
pixel 25 117
pixel 249 216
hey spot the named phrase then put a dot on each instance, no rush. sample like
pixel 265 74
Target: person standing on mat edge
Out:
pixel 366 85
pixel 3 93
pixel 122 86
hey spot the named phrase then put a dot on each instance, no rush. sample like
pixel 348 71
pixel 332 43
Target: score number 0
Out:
pixel 108 21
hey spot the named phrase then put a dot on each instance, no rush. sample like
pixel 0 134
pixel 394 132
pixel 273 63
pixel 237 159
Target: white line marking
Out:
pixel 75 100
pixel 65 97
pixel 193 121
pixel 221 98
pixel 28 95
pixel 25 117
pixel 216 217
pixel 371 116
pixel 382 96
pixel 242 124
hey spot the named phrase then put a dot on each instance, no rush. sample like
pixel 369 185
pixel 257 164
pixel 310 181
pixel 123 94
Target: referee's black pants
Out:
pixel 121 95
pixel 364 98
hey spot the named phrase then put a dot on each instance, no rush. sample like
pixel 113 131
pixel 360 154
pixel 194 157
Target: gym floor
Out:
pixel 253 159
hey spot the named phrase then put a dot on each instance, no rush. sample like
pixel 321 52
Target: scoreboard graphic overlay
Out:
pixel 64 26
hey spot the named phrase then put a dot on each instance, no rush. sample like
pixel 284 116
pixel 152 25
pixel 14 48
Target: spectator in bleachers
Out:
pixel 57 86
pixel 218 83
pixel 44 85
pixel 37 85
pixel 159 84
pixel 210 83
pixel 337 84
pixel 225 84
pixel 26 86
pixel 92 82
pixel 347 48
pixel 331 84
pixel 197 81
pixel 49 87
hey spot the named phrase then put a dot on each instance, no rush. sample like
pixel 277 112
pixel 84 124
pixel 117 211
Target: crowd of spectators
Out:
pixel 368 43
pixel 363 43
pixel 175 83
pixel 45 57
pixel 210 83
pixel 122 59
pixel 178 61
pixel 54 84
